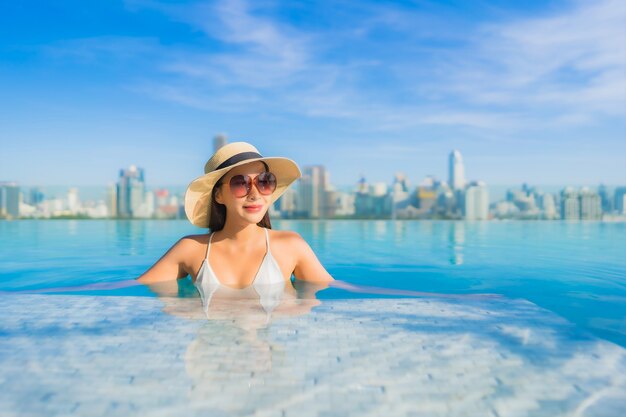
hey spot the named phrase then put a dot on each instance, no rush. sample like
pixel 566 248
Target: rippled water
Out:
pixel 577 270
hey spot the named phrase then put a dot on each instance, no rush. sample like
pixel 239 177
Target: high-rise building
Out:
pixel 549 206
pixel 476 201
pixel 73 202
pixel 426 194
pixel 605 199
pixel 400 196
pixel 36 196
pixel 590 205
pixel 112 200
pixel 9 200
pixel 380 200
pixel 620 200
pixel 361 198
pixel 312 192
pixel 130 192
pixel 287 203
pixel 570 204
pixel 219 141
pixel 457 171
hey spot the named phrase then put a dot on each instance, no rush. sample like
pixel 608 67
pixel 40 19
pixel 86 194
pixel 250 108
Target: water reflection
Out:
pixel 241 320
pixel 456 242
pixel 130 237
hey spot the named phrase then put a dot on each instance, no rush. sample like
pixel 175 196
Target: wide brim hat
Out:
pixel 199 191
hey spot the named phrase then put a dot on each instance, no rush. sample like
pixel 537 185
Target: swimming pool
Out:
pixel 552 345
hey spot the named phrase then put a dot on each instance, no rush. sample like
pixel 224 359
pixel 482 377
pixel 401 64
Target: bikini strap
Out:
pixel 267 240
pixel 208 247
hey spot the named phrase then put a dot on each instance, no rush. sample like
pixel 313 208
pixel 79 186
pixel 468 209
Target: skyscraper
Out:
pixel 476 201
pixel 219 141
pixel 457 171
pixel 620 200
pixel 312 192
pixel 9 200
pixel 570 204
pixel 130 191
pixel 605 199
pixel 590 205
pixel 73 202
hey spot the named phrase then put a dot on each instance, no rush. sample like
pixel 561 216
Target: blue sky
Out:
pixel 530 92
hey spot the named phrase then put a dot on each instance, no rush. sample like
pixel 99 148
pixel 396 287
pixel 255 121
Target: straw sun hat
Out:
pixel 198 194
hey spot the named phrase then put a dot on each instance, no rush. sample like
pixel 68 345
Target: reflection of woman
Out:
pixel 240 253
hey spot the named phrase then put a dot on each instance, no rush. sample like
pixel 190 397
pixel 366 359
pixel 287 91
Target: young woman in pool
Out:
pixel 232 199
pixel 241 253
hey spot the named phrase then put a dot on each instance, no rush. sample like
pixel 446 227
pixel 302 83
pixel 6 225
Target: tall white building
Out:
pixel 312 201
pixel 570 204
pixel 73 202
pixel 477 201
pixel 549 206
pixel 457 171
pixel 590 205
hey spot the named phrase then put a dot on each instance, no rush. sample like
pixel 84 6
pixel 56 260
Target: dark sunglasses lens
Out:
pixel 239 185
pixel 266 182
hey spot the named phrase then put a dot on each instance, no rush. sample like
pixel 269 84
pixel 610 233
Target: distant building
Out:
pixel 570 204
pixel 426 194
pixel 620 200
pixel 456 171
pixel 380 200
pixel 476 201
pixel 286 205
pixel 219 141
pixel 605 199
pixel 9 200
pixel 111 203
pixel 36 196
pixel 312 192
pixel 590 205
pixel 400 196
pixel 361 198
pixel 73 202
pixel 549 206
pixel 345 204
pixel 130 192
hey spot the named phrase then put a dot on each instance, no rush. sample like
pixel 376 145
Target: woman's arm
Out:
pixel 366 289
pixel 171 266
pixel 308 267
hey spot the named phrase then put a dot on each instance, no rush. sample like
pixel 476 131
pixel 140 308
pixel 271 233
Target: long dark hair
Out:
pixel 217 217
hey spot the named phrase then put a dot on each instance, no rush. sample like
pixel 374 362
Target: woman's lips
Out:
pixel 252 208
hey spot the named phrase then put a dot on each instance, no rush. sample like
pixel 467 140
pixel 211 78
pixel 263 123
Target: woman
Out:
pixel 241 255
pixel 232 199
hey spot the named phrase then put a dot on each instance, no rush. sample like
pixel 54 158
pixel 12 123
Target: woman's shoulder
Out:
pixel 190 243
pixel 285 236
pixel 289 240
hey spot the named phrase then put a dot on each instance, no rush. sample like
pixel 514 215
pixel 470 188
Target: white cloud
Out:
pixel 565 69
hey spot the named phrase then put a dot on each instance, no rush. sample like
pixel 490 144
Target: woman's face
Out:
pixel 251 207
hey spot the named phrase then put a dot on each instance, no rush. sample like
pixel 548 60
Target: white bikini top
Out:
pixel 268 284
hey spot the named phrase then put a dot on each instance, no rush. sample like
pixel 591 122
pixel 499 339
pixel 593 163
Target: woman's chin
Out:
pixel 253 216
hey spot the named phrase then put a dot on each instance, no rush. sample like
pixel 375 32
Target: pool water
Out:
pixel 574 269
pixel 552 345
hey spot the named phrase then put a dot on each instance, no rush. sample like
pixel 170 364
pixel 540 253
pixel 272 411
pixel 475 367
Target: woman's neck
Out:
pixel 240 232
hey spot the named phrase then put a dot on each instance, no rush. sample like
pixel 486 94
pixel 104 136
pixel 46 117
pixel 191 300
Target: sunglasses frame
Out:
pixel 248 181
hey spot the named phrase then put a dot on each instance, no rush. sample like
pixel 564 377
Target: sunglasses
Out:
pixel 240 185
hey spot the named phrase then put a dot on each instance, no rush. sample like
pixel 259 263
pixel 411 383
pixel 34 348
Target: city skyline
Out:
pixel 529 92
pixel 314 196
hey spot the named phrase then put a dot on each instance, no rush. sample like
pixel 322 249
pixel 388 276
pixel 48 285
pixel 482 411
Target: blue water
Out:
pixel 577 269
